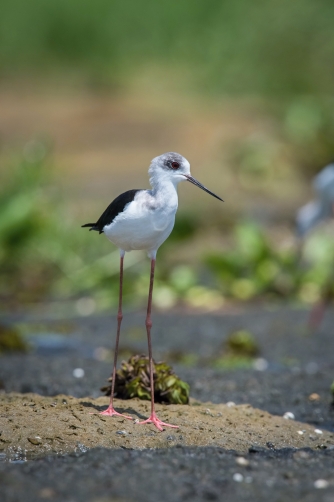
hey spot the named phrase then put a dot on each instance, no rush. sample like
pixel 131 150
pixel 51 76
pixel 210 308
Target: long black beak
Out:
pixel 198 184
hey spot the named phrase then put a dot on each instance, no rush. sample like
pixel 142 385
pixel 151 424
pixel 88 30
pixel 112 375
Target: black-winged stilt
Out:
pixel 142 220
pixel 311 215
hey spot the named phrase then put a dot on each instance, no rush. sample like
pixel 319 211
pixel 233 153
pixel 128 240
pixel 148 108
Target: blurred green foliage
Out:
pixel 254 267
pixel 44 254
pixel 133 380
pixel 257 268
pixel 239 351
pixel 303 137
pixel 242 343
pixel 11 340
pixel 249 47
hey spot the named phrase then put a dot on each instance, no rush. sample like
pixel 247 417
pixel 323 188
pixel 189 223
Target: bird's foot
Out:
pixel 110 412
pixel 153 419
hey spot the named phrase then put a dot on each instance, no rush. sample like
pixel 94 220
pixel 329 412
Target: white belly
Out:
pixel 140 230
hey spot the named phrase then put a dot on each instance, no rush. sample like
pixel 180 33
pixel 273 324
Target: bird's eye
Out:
pixel 175 165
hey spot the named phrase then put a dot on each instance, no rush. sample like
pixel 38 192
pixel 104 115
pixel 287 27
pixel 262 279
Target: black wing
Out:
pixel 117 206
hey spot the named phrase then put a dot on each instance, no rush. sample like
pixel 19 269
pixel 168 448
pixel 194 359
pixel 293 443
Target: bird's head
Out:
pixel 173 167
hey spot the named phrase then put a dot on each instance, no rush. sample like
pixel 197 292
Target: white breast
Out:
pixel 145 223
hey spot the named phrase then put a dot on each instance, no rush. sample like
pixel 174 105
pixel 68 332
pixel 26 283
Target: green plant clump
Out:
pixel 133 380
pixel 242 343
pixel 11 340
pixel 240 349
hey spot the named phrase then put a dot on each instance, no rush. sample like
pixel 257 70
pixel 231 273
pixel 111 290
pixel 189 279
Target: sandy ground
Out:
pixel 40 425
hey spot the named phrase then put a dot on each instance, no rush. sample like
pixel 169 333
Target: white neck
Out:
pixel 164 189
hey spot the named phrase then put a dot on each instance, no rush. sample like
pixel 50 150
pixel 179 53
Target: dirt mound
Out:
pixel 35 425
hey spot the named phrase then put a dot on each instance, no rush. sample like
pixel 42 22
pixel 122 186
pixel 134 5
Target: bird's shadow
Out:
pixel 120 410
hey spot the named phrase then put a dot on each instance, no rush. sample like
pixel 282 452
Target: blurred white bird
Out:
pixel 311 215
pixel 322 208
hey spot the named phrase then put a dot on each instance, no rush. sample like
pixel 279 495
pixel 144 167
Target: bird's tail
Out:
pixel 91 225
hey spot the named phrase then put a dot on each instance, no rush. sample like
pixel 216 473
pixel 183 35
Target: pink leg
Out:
pixel 110 411
pixel 153 419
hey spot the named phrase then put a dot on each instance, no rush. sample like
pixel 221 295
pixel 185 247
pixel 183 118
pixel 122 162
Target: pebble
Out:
pixel 238 477
pixel 230 404
pixel 47 493
pixel 101 354
pixel 289 415
pixel 300 432
pixel 85 306
pixel 82 448
pixel 121 433
pixel 78 372
pixel 242 461
pixel 321 483
pixel 317 431
pixel 314 397
pixel 260 364
pixel 36 440
pixel 301 454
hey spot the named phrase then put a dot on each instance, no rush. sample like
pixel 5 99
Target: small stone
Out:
pixel 78 373
pixel 300 433
pixel 260 364
pixel 314 397
pixel 36 440
pixel 47 493
pixel 289 415
pixel 238 477
pixel 321 484
pixel 230 404
pixel 82 448
pixel 301 454
pixel 121 433
pixel 170 438
pixel 317 431
pixel 242 461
